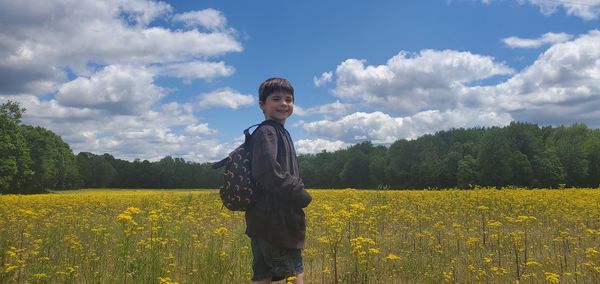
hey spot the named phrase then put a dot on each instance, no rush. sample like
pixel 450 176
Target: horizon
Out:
pixel 346 147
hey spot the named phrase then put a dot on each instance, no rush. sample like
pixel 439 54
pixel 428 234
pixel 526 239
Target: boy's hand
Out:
pixel 302 198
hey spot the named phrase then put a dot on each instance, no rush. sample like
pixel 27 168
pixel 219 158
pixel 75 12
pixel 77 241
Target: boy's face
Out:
pixel 278 107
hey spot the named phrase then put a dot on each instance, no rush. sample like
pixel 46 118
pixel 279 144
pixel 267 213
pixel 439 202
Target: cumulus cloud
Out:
pixel 547 38
pixel 149 135
pixel 335 109
pixel 587 10
pixel 560 86
pixel 199 129
pixel 116 89
pixel 323 79
pixel 88 70
pixel 225 97
pixel 41 111
pixel 410 83
pixel 41 41
pixel 381 128
pixel 312 146
pixel 299 111
pixel 210 19
pixel 195 70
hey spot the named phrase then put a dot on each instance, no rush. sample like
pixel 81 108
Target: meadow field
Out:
pixel 354 236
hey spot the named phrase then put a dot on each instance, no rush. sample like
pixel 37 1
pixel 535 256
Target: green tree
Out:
pixel 96 171
pixel 402 156
pixel 377 166
pixel 467 172
pixel 592 153
pixel 14 153
pixel 166 172
pixel 495 150
pixel 447 173
pixel 355 172
pixel 569 144
pixel 53 163
pixel 521 169
pixel 548 171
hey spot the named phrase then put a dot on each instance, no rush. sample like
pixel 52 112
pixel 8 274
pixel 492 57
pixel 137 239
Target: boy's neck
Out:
pixel 280 123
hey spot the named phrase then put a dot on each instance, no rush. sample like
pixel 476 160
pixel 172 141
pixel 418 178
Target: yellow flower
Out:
pixel 533 263
pixel 290 279
pixel 552 277
pixel 221 231
pixel 373 251
pixel 124 218
pixel 10 268
pixel 591 252
pixel 166 280
pixel 392 257
pixel 132 210
pixel 448 276
pixel 472 241
pixel 324 240
pixel 153 216
pixel 40 276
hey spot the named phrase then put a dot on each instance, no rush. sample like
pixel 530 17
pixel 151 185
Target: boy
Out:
pixel 276 224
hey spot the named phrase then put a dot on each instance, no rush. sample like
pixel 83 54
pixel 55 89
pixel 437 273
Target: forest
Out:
pixel 34 159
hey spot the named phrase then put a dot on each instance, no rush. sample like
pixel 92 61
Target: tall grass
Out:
pixel 354 236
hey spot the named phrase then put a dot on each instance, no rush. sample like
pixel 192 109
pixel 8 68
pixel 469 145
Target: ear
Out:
pixel 261 104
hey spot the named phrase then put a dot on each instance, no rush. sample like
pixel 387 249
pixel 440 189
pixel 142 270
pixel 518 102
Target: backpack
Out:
pixel 239 190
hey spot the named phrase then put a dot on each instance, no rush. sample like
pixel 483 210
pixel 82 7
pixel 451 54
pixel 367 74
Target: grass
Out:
pixel 354 236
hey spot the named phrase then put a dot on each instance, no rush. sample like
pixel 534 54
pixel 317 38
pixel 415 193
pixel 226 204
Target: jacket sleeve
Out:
pixel 269 173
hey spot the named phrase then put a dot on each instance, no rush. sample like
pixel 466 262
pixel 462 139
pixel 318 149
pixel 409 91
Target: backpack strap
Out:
pixel 247 136
pixel 219 164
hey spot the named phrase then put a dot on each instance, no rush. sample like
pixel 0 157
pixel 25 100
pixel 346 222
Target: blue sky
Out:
pixel 146 79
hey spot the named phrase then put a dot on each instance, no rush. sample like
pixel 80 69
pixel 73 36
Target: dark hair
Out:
pixel 273 85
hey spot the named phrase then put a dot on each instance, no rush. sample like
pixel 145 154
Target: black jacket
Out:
pixel 278 216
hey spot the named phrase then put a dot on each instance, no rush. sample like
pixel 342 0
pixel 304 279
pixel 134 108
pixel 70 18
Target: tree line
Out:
pixel 34 159
pixel 520 154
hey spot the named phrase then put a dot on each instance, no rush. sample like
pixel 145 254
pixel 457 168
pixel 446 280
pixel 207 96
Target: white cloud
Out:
pixel 41 111
pixel 196 70
pixel 410 83
pixel 299 111
pixel 225 97
pixel 150 135
pixel 561 86
pixel 42 40
pixel 141 12
pixel 585 9
pixel 547 38
pixel 323 79
pixel 116 89
pixel 381 128
pixel 335 109
pixel 199 129
pixel 210 19
pixel 88 71
pixel 312 146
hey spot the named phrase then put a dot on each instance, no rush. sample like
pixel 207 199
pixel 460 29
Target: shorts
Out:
pixel 273 262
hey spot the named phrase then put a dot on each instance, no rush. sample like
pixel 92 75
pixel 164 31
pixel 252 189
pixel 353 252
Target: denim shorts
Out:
pixel 273 262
